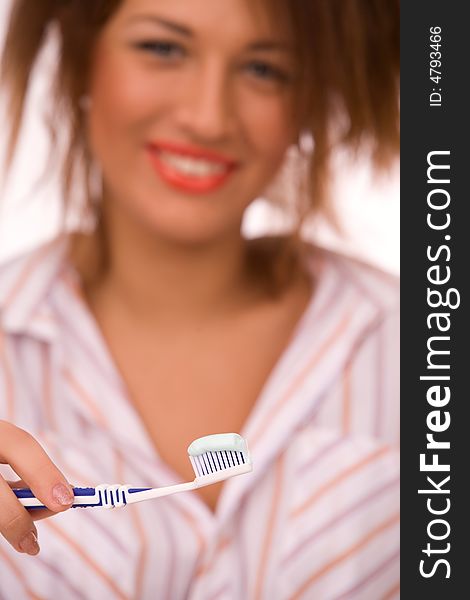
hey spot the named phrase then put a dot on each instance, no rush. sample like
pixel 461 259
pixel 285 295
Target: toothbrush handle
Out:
pixel 29 500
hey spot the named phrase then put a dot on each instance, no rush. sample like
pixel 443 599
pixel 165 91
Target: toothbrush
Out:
pixel 214 458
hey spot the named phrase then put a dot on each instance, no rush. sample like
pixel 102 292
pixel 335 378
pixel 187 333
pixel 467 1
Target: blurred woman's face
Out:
pixel 192 112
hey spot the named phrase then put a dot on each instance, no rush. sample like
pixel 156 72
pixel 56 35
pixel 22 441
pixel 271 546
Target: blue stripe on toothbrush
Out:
pixel 78 493
pixel 91 492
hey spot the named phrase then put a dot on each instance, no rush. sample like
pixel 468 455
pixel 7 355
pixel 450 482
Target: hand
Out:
pixel 28 459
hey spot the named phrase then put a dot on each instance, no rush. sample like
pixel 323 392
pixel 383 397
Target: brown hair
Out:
pixel 348 53
pixel 79 23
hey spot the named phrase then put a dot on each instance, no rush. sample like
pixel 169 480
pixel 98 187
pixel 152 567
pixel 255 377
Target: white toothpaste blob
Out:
pixel 219 442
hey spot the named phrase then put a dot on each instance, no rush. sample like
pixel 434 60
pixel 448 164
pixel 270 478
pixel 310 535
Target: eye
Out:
pixel 161 48
pixel 264 71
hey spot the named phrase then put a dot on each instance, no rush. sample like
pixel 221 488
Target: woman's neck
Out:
pixel 153 279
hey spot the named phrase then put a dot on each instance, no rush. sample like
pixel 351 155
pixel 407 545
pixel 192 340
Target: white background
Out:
pixel 368 208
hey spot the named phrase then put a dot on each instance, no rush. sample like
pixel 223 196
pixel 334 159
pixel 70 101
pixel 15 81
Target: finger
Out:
pixel 29 460
pixel 16 525
pixel 36 514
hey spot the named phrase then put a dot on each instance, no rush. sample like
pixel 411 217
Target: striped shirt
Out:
pixel 317 519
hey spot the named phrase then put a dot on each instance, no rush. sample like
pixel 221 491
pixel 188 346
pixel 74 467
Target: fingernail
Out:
pixel 29 544
pixel 62 494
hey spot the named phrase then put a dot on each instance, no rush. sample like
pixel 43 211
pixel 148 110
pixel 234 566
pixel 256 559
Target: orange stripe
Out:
pixel 20 575
pixel 394 591
pixel 267 419
pixel 73 286
pixel 267 543
pixel 189 518
pixel 86 398
pixel 44 317
pixel 335 481
pixel 344 555
pixel 222 545
pixel 24 275
pixel 9 388
pixel 139 528
pixel 193 523
pixel 346 388
pixel 73 475
pixel 143 555
pixel 86 558
pixel 46 387
pixel 70 472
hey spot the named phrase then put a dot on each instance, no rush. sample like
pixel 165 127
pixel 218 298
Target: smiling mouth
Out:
pixel 192 167
pixel 191 170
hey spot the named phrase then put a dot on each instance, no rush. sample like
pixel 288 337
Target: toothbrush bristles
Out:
pixel 212 462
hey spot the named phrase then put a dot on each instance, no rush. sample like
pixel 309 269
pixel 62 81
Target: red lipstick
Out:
pixel 188 168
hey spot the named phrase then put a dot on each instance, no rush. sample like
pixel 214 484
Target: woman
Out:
pixel 160 323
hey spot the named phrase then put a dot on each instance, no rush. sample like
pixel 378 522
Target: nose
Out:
pixel 206 107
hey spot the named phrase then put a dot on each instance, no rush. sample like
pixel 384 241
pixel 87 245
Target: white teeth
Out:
pixel 194 167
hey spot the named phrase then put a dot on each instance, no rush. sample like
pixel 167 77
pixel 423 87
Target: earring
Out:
pixel 305 143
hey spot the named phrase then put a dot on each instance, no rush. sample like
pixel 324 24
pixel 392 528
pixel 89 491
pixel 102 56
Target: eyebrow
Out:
pixel 267 45
pixel 176 27
pixel 261 45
